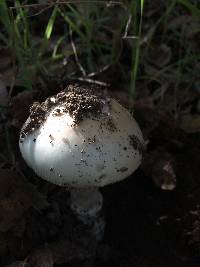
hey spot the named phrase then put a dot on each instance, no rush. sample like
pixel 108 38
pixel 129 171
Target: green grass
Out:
pixel 17 38
pixel 195 11
pixel 136 46
pixel 85 26
pixel 89 36
pixel 31 60
pixel 92 53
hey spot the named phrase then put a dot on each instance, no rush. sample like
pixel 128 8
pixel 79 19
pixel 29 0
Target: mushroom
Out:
pixel 83 140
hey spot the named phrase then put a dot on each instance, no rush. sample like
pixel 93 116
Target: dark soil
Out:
pixel 150 227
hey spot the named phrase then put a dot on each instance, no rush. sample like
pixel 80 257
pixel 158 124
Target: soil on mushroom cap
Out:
pixel 136 143
pixel 79 102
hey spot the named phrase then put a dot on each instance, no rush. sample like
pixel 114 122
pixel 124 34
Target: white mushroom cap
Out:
pixel 97 151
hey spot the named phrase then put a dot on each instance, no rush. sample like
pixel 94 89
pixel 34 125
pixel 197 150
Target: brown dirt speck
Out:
pixel 123 169
pixel 136 143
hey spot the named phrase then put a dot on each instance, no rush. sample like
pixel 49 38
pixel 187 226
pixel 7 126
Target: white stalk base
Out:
pixel 87 204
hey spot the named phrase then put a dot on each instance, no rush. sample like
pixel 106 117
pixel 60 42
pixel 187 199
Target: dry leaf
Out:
pixel 9 181
pixel 12 209
pixel 66 251
pixel 59 252
pixel 3 243
pixel 3 102
pixel 18 264
pixel 6 60
pixel 159 55
pixel 190 123
pixel 16 197
pixel 19 107
pixel 7 72
pixel 151 70
pixel 179 21
pixel 41 258
pixel 122 97
pixel 3 95
pixel 159 165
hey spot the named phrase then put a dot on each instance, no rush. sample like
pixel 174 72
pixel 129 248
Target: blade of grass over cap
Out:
pixel 136 46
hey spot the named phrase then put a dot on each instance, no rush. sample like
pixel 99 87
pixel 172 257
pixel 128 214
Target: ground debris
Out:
pixel 19 264
pixel 19 107
pixel 16 197
pixel 159 55
pixel 159 165
pixel 41 258
pixel 59 252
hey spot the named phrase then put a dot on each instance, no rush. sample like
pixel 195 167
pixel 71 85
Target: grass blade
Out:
pixel 192 8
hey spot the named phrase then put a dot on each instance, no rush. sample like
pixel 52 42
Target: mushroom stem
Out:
pixel 87 204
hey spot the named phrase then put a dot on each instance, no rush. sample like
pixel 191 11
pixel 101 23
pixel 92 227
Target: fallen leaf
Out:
pixel 3 244
pixel 159 165
pixel 179 21
pixel 3 95
pixel 19 107
pixel 122 97
pixel 19 264
pixel 9 181
pixel 3 102
pixel 7 72
pixel 41 257
pixel 17 195
pixel 190 123
pixel 192 30
pixel 12 209
pixel 65 251
pixel 6 60
pixel 159 55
